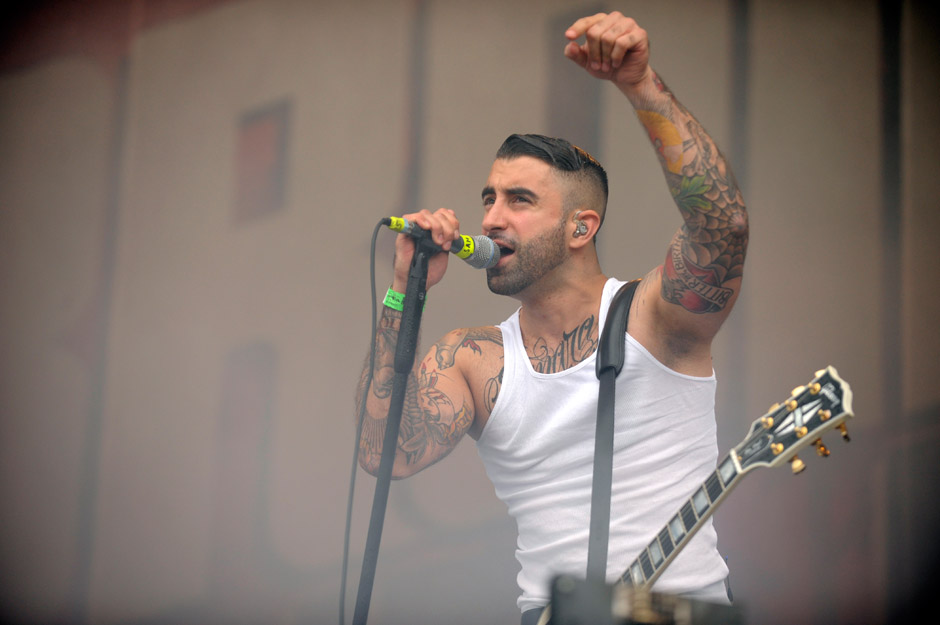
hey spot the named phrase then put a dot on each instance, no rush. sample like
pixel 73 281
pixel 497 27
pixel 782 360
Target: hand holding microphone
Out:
pixel 479 252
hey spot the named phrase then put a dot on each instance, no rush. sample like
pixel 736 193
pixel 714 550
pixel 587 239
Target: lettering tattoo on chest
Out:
pixel 574 347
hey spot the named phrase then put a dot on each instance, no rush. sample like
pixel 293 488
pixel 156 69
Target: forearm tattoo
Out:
pixel 709 249
pixel 386 342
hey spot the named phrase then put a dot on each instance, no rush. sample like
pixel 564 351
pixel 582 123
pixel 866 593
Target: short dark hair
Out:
pixel 561 155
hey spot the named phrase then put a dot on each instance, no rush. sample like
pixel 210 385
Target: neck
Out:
pixel 550 314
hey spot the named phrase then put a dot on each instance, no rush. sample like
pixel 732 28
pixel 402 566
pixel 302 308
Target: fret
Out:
pixel 656 553
pixel 646 564
pixel 713 487
pixel 666 542
pixel 676 530
pixel 700 501
pixel 727 471
pixel 636 572
pixel 688 516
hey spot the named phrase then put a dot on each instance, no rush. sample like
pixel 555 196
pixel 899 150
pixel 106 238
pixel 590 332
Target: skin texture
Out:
pixel 529 211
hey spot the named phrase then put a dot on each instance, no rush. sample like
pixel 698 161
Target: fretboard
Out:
pixel 667 544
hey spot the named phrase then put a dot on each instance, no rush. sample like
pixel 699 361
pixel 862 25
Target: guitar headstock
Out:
pixel 799 422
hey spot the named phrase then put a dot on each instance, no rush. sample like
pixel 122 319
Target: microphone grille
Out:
pixel 485 253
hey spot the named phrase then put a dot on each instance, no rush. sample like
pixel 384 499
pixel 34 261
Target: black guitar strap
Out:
pixel 610 360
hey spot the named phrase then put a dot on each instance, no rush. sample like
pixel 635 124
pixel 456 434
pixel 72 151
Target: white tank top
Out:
pixel 538 450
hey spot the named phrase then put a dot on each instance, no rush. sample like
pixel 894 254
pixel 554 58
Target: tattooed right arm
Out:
pixel 438 406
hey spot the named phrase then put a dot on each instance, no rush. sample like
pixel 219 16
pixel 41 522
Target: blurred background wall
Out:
pixel 187 194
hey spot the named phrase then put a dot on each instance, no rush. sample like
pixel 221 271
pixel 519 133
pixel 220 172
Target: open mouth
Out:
pixel 504 250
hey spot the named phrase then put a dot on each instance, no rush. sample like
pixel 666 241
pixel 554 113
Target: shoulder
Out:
pixel 475 354
pixel 457 345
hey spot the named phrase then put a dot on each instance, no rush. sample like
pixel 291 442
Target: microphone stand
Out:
pixel 412 308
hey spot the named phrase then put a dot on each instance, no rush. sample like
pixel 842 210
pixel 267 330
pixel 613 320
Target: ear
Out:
pixel 583 227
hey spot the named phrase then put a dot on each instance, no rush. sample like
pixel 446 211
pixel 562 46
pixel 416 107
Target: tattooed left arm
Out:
pixel 691 294
pixel 704 264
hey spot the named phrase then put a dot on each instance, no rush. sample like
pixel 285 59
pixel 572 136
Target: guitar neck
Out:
pixel 775 438
pixel 680 529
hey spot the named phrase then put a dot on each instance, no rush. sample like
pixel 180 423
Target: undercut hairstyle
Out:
pixel 568 160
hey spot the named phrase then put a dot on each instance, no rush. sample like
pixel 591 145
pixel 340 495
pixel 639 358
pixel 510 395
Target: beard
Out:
pixel 530 262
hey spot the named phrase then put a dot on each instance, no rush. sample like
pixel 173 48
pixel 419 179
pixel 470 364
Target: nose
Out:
pixel 494 218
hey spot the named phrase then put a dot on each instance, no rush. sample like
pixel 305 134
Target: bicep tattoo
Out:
pixel 432 424
pixel 433 421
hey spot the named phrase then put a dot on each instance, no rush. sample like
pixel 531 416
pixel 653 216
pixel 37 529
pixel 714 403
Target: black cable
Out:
pixel 362 409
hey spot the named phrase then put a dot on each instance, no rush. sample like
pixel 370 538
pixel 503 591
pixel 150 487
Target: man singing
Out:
pixel 526 390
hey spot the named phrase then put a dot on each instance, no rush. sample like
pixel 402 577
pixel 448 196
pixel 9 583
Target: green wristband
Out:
pixel 394 300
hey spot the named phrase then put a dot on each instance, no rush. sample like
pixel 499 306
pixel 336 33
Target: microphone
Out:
pixel 479 252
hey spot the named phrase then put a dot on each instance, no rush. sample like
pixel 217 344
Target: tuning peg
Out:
pixel 777 448
pixel 801 431
pixel 791 405
pixel 821 448
pixel 797 391
pixel 819 373
pixel 824 415
pixel 844 432
pixel 767 422
pixel 814 388
pixel 797 465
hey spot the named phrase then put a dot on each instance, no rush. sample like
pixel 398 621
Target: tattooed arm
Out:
pixel 702 273
pixel 439 406
pixel 701 277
